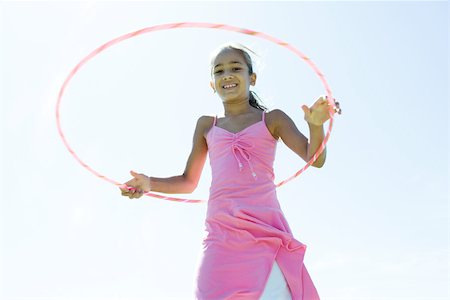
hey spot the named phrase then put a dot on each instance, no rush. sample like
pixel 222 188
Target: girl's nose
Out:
pixel 228 77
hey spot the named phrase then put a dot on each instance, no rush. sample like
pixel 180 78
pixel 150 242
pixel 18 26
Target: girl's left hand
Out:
pixel 319 112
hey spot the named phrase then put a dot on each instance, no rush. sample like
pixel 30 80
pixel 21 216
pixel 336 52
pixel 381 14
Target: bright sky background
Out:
pixel 375 218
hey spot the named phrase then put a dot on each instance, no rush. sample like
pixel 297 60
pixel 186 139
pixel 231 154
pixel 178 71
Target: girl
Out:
pixel 249 251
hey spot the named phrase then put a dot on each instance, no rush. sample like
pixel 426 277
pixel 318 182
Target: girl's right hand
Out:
pixel 139 185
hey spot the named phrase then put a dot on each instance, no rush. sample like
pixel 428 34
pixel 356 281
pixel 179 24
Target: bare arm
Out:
pixel 316 135
pixel 188 181
pixel 286 129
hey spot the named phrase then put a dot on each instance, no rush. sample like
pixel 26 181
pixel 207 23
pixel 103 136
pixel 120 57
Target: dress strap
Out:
pixel 263 115
pixel 215 120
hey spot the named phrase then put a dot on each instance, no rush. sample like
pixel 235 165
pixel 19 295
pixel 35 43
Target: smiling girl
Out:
pixel 249 251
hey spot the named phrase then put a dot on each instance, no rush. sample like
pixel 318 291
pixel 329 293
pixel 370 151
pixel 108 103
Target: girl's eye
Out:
pixel 234 69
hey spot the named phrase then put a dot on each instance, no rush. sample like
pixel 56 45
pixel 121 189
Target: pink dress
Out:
pixel 246 228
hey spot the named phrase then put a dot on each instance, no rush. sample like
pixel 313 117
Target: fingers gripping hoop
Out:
pixel 197 25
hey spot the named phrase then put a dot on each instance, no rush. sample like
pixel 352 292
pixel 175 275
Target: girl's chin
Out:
pixel 230 97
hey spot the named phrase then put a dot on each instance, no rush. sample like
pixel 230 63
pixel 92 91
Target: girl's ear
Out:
pixel 253 79
pixel 212 86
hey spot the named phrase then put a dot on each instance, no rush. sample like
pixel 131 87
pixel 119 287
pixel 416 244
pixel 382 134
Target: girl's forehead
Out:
pixel 228 56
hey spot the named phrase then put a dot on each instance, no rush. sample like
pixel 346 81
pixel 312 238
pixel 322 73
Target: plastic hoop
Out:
pixel 194 25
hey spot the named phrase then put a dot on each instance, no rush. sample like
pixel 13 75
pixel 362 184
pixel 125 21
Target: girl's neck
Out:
pixel 236 109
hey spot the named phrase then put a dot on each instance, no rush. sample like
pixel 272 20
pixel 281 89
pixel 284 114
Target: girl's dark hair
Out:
pixel 254 100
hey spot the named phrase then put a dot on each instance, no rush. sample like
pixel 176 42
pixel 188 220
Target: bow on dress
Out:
pixel 245 149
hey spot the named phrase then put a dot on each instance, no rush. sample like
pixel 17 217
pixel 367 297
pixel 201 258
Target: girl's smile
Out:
pixel 230 86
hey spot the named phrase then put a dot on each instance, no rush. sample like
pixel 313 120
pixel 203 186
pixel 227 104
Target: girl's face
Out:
pixel 231 79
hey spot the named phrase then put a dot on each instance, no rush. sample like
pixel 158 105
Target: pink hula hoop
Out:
pixel 193 25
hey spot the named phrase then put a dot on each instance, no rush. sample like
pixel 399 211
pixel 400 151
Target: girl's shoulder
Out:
pixel 272 120
pixel 204 124
pixel 277 116
pixel 277 120
pixel 276 113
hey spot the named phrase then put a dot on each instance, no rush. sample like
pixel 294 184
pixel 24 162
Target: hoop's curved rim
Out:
pixel 193 25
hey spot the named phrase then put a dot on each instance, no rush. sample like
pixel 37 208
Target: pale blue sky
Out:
pixel 375 218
